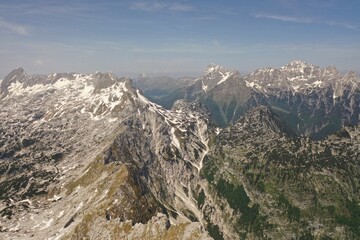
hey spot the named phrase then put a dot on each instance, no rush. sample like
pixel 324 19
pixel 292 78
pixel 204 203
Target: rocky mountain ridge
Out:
pixel 298 76
pixel 88 156
pixel 280 187
pixel 298 92
pixel 64 137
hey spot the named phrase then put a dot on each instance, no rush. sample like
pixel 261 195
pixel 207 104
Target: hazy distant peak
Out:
pixel 331 70
pixel 297 65
pixel 16 75
pixel 211 68
pixel 143 75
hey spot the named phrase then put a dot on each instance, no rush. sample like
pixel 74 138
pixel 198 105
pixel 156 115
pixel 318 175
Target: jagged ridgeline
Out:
pixel 87 156
pixel 312 101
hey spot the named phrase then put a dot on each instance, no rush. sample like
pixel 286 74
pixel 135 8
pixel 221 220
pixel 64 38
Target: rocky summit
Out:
pixel 268 155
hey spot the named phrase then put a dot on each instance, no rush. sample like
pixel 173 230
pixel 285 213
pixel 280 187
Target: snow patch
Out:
pixel 15 228
pixel 317 83
pixel 111 120
pixel 174 139
pixel 224 78
pixel 202 128
pixel 79 207
pixel 55 198
pixel 217 131
pixel 204 87
pixel 253 85
pixel 46 224
pixel 60 214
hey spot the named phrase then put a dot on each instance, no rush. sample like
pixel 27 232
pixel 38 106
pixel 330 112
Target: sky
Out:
pixel 180 36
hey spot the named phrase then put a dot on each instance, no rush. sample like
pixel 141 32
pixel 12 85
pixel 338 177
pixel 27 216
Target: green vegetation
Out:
pixel 251 219
pixel 352 219
pixel 209 170
pixel 325 238
pixel 230 109
pixel 201 199
pixel 235 195
pixel 214 232
pixel 293 213
pixel 307 236
pixel 216 113
pixel 261 186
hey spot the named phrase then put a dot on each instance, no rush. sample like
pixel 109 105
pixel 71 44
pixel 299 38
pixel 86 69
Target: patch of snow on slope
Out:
pixel 253 85
pixel 190 203
pixel 174 139
pixel 224 78
pixel 217 131
pixel 204 87
pixel 17 89
pixel 296 88
pixel 202 128
pixel 317 83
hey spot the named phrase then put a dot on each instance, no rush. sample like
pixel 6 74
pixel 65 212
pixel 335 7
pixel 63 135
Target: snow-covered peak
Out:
pixel 331 70
pixel 214 68
pixel 298 76
pixel 143 75
pixel 297 66
pixel 264 71
pixel 297 63
pixel 19 77
pixel 99 95
pixel 215 75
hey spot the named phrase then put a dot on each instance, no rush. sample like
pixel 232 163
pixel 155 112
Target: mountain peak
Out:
pixel 211 68
pixel 143 75
pixel 262 121
pixel 331 70
pixel 296 65
pixel 16 75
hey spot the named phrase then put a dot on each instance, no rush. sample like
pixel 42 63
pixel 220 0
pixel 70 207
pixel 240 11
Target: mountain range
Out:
pixel 268 155
pixel 312 101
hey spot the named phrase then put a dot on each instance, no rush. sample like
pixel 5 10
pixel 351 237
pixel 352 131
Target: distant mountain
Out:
pixel 163 90
pixel 313 101
pixel 166 90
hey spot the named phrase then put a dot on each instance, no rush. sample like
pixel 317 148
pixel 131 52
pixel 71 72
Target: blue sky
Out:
pixel 163 36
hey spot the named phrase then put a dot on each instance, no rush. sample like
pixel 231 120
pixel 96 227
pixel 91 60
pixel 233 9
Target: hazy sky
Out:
pixel 176 36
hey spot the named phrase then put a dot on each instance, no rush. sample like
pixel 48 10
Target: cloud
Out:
pixel 13 27
pixel 306 20
pixel 160 6
pixel 180 7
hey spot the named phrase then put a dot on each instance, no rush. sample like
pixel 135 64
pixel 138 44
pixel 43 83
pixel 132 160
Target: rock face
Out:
pixel 313 101
pixel 269 185
pixel 81 152
pixel 87 156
